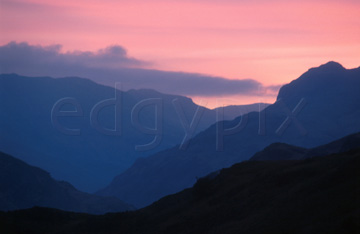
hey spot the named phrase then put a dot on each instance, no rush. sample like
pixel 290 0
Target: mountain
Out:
pixel 316 195
pixel 23 186
pixel 233 111
pixel 342 145
pixel 67 126
pixel 322 105
pixel 282 151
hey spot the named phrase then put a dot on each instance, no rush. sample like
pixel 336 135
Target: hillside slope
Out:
pixel 317 195
pixel 24 186
pixel 67 126
pixel 321 106
pixel 282 151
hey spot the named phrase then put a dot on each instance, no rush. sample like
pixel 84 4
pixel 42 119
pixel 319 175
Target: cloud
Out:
pixel 273 89
pixel 24 56
pixel 112 64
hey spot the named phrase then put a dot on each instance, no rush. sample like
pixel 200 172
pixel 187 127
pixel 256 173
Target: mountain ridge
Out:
pixel 282 151
pixel 314 195
pixel 87 149
pixel 28 104
pixel 24 186
pixel 305 116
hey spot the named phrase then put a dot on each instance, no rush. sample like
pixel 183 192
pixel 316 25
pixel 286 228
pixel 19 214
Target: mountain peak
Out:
pixel 318 81
pixel 331 65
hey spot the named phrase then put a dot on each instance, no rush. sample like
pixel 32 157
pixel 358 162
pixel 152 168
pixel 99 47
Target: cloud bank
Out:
pixel 112 64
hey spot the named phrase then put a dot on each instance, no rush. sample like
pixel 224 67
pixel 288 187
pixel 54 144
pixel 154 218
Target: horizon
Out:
pixel 251 48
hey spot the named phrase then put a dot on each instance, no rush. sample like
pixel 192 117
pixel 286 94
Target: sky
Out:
pixel 252 46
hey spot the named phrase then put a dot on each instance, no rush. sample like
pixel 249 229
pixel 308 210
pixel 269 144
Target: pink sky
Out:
pixel 273 42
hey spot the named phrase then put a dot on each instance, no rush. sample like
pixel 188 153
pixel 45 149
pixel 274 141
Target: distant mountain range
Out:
pixel 67 126
pixel 315 195
pixel 233 111
pixel 322 105
pixel 23 186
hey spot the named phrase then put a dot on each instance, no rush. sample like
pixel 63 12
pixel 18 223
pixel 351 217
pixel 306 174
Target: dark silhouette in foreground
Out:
pixel 313 195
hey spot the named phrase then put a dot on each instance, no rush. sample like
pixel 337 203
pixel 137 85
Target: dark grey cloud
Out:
pixel 112 64
pixel 29 57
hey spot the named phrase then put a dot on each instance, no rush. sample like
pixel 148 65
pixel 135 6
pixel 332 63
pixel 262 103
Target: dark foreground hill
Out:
pixel 23 186
pixel 315 195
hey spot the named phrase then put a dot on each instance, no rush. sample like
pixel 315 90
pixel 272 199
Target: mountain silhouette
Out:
pixel 322 105
pixel 233 111
pixel 24 186
pixel 82 146
pixel 314 195
pixel 282 151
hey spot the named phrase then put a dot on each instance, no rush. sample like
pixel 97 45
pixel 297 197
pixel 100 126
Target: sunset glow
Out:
pixel 272 42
